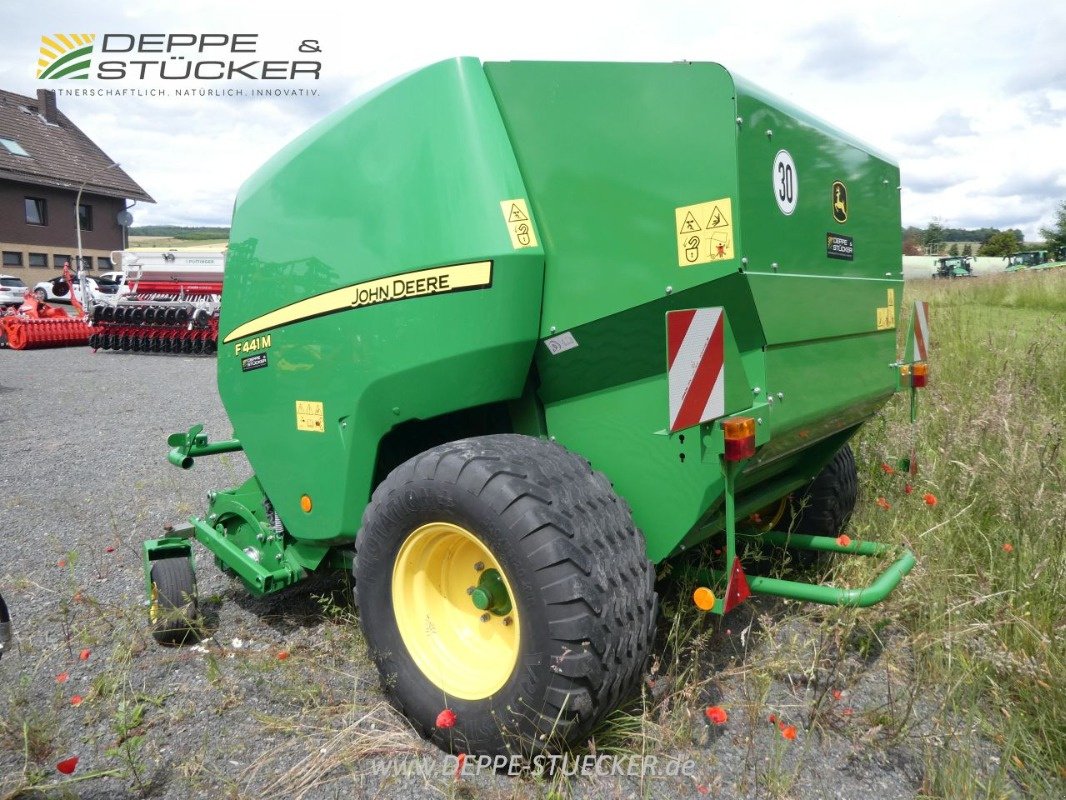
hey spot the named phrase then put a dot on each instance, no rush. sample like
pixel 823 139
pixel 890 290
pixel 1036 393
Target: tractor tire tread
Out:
pixel 588 561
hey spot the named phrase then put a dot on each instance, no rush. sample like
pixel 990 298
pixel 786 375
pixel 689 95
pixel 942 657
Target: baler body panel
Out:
pixel 408 178
pixel 607 156
pixel 609 152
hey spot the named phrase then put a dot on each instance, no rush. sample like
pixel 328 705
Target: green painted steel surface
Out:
pixel 412 178
pixel 609 151
pixel 407 178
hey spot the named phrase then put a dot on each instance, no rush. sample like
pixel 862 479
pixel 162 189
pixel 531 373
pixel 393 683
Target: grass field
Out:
pixel 176 243
pixel 984 609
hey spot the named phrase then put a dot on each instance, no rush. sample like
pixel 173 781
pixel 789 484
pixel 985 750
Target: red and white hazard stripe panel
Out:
pixel 695 341
pixel 921 331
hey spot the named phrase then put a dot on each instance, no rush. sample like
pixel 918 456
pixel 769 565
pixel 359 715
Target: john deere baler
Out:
pixel 449 298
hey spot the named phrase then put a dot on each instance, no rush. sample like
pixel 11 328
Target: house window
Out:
pixel 13 147
pixel 85 217
pixel 36 211
pixel 38 260
pixel 12 259
pixel 87 262
pixel 58 261
pixel 104 262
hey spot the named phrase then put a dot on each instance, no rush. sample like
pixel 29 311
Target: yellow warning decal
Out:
pixel 438 280
pixel 886 317
pixel 310 416
pixel 704 232
pixel 519 225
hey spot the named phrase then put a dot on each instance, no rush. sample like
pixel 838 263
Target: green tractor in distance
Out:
pixel 1027 259
pixel 1035 259
pixel 953 267
pixel 501 337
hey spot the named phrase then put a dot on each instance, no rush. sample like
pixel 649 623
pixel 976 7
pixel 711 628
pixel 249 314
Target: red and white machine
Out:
pixel 172 305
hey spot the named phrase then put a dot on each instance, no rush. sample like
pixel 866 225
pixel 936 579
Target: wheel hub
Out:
pixel 454 611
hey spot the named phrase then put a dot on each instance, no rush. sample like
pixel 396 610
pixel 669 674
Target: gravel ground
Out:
pixel 282 699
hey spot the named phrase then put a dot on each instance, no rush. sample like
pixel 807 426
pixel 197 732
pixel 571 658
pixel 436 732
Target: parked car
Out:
pixel 12 290
pixel 56 289
pixel 118 278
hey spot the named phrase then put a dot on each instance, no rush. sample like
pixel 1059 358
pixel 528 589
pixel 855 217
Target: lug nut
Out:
pixel 469 589
pixel 486 617
pixel 507 621
pixel 479 566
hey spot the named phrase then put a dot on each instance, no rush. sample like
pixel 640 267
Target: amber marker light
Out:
pixel 739 438
pixel 305 503
pixel 920 375
pixel 703 598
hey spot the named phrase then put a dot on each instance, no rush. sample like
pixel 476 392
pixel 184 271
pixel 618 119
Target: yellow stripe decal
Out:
pixel 424 282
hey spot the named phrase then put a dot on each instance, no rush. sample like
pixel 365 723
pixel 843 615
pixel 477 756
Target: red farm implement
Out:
pixel 171 304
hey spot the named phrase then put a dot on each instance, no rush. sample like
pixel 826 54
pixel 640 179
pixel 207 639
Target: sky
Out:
pixel 968 97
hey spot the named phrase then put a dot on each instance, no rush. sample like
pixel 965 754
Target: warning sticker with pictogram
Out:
pixel 704 232
pixel 886 315
pixel 695 343
pixel 519 226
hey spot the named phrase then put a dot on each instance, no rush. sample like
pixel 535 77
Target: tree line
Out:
pixel 938 239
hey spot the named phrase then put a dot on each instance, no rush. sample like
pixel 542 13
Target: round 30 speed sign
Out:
pixel 786 182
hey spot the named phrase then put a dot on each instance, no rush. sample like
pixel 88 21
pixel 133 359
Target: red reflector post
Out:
pixel 739 438
pixel 919 375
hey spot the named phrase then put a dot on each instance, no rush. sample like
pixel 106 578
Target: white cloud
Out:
pixel 972 100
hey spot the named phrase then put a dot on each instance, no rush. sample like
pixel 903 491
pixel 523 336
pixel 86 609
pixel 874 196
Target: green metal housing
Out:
pixel 335 365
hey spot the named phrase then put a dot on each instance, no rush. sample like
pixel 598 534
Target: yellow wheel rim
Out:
pixel 455 611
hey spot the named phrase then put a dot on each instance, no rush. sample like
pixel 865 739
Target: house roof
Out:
pixel 59 154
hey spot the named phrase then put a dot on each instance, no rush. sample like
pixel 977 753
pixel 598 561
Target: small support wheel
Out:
pixel 173 608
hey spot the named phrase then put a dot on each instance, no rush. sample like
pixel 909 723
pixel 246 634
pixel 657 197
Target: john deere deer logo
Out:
pixel 65 55
pixel 840 202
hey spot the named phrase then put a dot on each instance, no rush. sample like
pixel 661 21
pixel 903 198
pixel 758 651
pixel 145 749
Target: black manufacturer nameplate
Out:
pixel 258 361
pixel 839 246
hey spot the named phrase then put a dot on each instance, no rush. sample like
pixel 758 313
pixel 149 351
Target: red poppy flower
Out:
pixel 717 715
pixel 837 694
pixel 61 563
pixel 76 700
pixel 84 654
pixel 847 712
pixel 908 488
pixel 460 762
pixel 843 540
pixel 788 731
pixel 773 719
pixel 62 677
pixel 703 789
pixel 930 499
pixel 68 766
pixel 446 719
pixel 1008 547
pixel 109 549
pixel 283 655
pixel 883 503
pixel 887 469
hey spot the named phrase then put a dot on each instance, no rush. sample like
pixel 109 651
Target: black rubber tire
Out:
pixel 825 506
pixel 176 612
pixel 583 585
